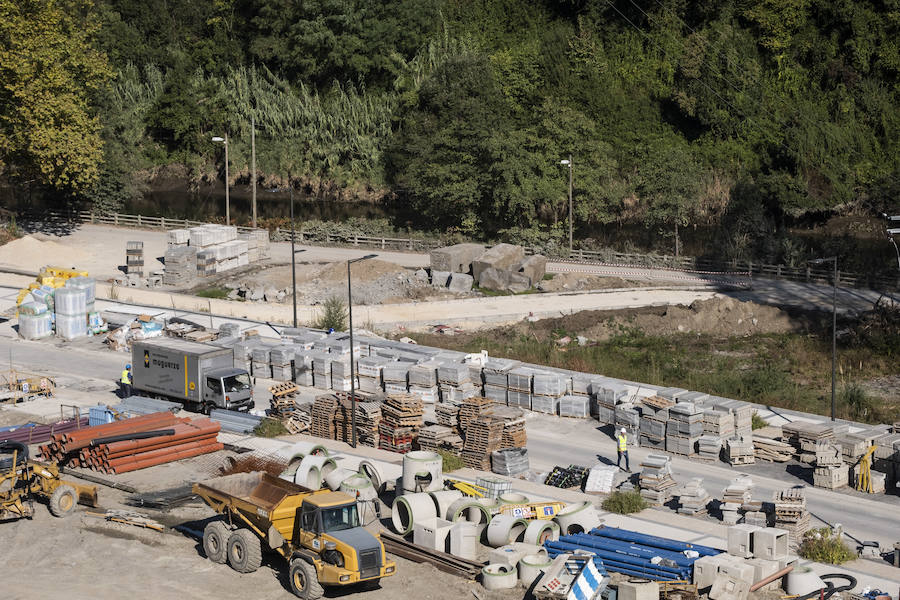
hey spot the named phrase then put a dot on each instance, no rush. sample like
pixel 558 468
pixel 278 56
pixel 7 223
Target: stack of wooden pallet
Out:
pixel 472 408
pixel 514 435
pixel 323 411
pixel 401 419
pixel 283 406
pixel 447 414
pixel 791 514
pixel 484 434
pixel 440 437
pixel 368 418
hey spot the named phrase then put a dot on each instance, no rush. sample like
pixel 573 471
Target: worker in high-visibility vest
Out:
pixel 126 380
pixel 622 441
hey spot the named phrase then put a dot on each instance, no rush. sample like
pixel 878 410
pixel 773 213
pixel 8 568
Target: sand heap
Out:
pixel 30 254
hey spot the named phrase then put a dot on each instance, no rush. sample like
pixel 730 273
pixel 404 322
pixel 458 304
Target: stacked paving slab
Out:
pixel 215 249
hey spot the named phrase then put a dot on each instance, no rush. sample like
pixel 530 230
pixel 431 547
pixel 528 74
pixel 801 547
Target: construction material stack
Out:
pixel 510 462
pixel 323 411
pixel 767 448
pixel 71 313
pixel 791 514
pixel 401 419
pixel 804 436
pixel 684 428
pixel 257 241
pixel 283 406
pixel 423 381
pixel 396 377
pixel 134 258
pixel 739 450
pixel 484 435
pixel 831 472
pixel 181 265
pixel 547 390
pixel 472 408
pixel 495 373
pixel 368 371
pixel 656 481
pixel 654 414
pixel 734 497
pixel 440 437
pixel 455 381
pixel 447 415
pixel 606 396
pixel 519 390
pixel 281 359
pixel 218 249
pixel 368 419
pixel 693 498
pixel 340 374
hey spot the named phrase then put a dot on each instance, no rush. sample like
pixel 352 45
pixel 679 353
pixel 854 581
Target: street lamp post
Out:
pixel 352 370
pixel 224 142
pixel 293 258
pixel 820 261
pixel 569 163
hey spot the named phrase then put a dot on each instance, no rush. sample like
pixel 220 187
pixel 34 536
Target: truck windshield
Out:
pixel 340 518
pixel 237 383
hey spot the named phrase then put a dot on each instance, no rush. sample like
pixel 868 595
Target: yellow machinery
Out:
pixel 23 480
pixel 317 532
pixel 864 475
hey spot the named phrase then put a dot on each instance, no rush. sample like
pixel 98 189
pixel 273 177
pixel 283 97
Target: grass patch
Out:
pixel 451 462
pixel 821 545
pixel 757 422
pixel 547 277
pixel 624 503
pixel 270 428
pixel 213 292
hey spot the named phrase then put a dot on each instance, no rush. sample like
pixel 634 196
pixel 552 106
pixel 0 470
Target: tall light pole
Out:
pixel 569 163
pixel 293 259
pixel 352 370
pixel 820 261
pixel 224 142
pixel 253 167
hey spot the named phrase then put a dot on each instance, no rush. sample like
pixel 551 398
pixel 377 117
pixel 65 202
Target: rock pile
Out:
pixel 503 268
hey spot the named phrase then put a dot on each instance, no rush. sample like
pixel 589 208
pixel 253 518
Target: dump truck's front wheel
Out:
pixel 215 541
pixel 304 581
pixel 244 551
pixel 63 501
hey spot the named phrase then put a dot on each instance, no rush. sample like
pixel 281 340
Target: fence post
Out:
pixel 186 224
pixel 382 243
pixel 409 244
pixel 139 220
pixel 162 222
pixel 115 218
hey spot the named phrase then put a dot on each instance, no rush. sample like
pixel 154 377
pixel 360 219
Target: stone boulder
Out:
pixel 461 282
pixel 494 279
pixel 518 282
pixel 534 267
pixel 455 259
pixel 500 257
pixel 439 279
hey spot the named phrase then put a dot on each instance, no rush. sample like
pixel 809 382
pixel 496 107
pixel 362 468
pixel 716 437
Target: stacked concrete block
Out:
pixel 736 494
pixel 179 237
pixel 518 383
pixel 322 370
pixel 303 368
pixel 607 395
pixel 656 479
pixel 340 374
pixel 181 266
pixel 742 413
pixel 369 373
pixel 830 472
pixel 261 365
pixel 455 382
pixel 547 389
pixel 637 590
pixel 627 415
pixel 578 407
pixel 684 428
pixel 740 540
pixel 395 375
pixel 739 450
pixel 500 258
pixel 455 259
pixel 281 358
pixel 718 423
pixel 693 498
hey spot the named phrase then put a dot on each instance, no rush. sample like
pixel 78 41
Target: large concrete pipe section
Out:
pixel 312 470
pixel 372 472
pixel 295 454
pixel 335 478
pixel 499 577
pixel 410 509
pixel 443 500
pixel 580 517
pixel 505 529
pixel 422 471
pixel 533 566
pixel 513 498
pixel 539 531
pixel 366 496
pixel 469 509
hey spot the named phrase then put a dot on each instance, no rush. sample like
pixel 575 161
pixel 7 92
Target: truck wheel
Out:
pixel 304 581
pixel 244 551
pixel 63 501
pixel 215 541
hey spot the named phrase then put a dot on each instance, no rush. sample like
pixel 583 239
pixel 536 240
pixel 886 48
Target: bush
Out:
pixel 214 292
pixel 757 422
pixel 825 546
pixel 451 462
pixel 624 503
pixel 334 315
pixel 270 428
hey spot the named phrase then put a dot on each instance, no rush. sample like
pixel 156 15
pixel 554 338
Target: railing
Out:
pixel 595 257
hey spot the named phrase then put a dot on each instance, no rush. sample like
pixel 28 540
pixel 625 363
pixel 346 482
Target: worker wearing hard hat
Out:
pixel 622 444
pixel 125 381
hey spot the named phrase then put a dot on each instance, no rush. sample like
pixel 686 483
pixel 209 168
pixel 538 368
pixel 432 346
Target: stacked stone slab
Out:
pixel 606 395
pixel 654 414
pixel 684 428
pixel 494 373
pixel 423 381
pixel 739 450
pixel 369 371
pixel 455 382
pixel 181 266
pixel 281 359
pixel 656 479
pixel 718 423
pixel 831 472
pixel 518 383
pixel 736 494
pixel 693 498
pixel 547 389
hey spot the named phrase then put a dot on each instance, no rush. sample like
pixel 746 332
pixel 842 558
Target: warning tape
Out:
pixel 661 268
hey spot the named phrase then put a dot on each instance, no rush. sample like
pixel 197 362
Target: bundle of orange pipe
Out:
pixel 190 438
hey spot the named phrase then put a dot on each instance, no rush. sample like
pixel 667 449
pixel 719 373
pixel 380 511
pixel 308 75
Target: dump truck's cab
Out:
pixel 345 552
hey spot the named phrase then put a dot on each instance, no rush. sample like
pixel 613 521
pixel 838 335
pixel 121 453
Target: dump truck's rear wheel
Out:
pixel 304 581
pixel 63 501
pixel 215 541
pixel 244 551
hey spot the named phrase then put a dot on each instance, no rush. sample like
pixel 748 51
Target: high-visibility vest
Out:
pixel 126 376
pixel 623 441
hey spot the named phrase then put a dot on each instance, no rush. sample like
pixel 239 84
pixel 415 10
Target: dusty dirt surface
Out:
pixel 32 252
pixel 576 282
pixel 83 556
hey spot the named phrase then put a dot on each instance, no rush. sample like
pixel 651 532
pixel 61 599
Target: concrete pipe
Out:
pixel 411 509
pixel 802 581
pixel 325 464
pixel 443 500
pixel 295 454
pixel 533 566
pixel 577 518
pixel 505 529
pixel 492 504
pixel 372 472
pixel 469 509
pixel 358 486
pixel 499 577
pixel 513 498
pixel 335 478
pixel 422 471
pixel 539 531
pixel 309 477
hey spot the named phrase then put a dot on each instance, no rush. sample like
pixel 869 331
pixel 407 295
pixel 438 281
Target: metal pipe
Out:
pixel 771 578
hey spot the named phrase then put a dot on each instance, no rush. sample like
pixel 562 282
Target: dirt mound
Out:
pixel 720 316
pixel 363 271
pixel 31 254
pixel 573 282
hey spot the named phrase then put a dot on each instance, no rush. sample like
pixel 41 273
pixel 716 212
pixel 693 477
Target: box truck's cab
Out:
pixel 230 389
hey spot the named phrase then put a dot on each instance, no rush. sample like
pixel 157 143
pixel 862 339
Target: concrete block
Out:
pixel 433 534
pixel 464 537
pixel 706 569
pixel 440 278
pixel 738 569
pixel 770 543
pixel 518 282
pixel 762 568
pixel 638 590
pixel 501 256
pixel 740 540
pixel 461 282
pixel 494 279
pixel 729 588
pixel 511 554
pixel 534 267
pixel 789 560
pixel 457 258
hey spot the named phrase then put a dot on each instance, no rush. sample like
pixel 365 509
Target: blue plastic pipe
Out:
pixel 609 558
pixel 652 540
pixel 626 548
pixel 629 569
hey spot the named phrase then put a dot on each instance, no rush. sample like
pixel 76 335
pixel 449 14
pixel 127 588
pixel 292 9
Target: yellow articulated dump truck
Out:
pixel 317 531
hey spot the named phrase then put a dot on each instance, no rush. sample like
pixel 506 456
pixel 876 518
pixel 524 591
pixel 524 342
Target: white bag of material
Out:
pixel 71 302
pixel 34 327
pixel 88 284
pixel 70 327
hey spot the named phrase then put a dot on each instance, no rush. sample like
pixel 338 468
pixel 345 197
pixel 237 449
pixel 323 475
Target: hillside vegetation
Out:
pixel 748 113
